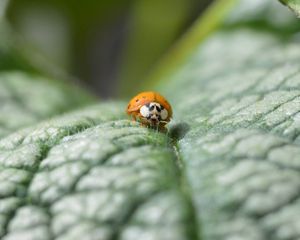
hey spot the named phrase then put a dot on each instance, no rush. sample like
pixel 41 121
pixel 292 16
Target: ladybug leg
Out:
pixel 133 118
pixel 163 129
pixel 136 119
pixel 142 124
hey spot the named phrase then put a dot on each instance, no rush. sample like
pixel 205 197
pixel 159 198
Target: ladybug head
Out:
pixel 154 113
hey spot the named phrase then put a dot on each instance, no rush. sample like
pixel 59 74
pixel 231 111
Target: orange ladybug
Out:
pixel 151 109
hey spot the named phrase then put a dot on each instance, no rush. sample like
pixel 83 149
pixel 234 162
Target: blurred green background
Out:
pixel 109 46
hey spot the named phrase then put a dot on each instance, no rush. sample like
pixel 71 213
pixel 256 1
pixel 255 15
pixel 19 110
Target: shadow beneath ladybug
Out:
pixel 177 131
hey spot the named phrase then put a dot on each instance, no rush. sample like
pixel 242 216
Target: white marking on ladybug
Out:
pixel 144 110
pixel 154 112
pixel 164 114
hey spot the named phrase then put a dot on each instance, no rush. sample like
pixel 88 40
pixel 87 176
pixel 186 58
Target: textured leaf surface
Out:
pixel 240 94
pixel 91 174
pixel 88 175
pixel 294 5
pixel 26 99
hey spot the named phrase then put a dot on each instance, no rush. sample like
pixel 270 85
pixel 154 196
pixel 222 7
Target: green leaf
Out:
pixel 88 175
pixel 26 99
pixel 241 153
pixel 239 93
pixel 227 169
pixel 293 4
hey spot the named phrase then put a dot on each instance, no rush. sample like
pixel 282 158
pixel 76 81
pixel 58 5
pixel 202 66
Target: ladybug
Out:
pixel 151 109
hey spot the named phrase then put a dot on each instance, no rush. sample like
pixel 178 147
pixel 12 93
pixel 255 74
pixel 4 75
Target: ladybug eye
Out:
pixel 144 110
pixel 152 107
pixel 164 114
